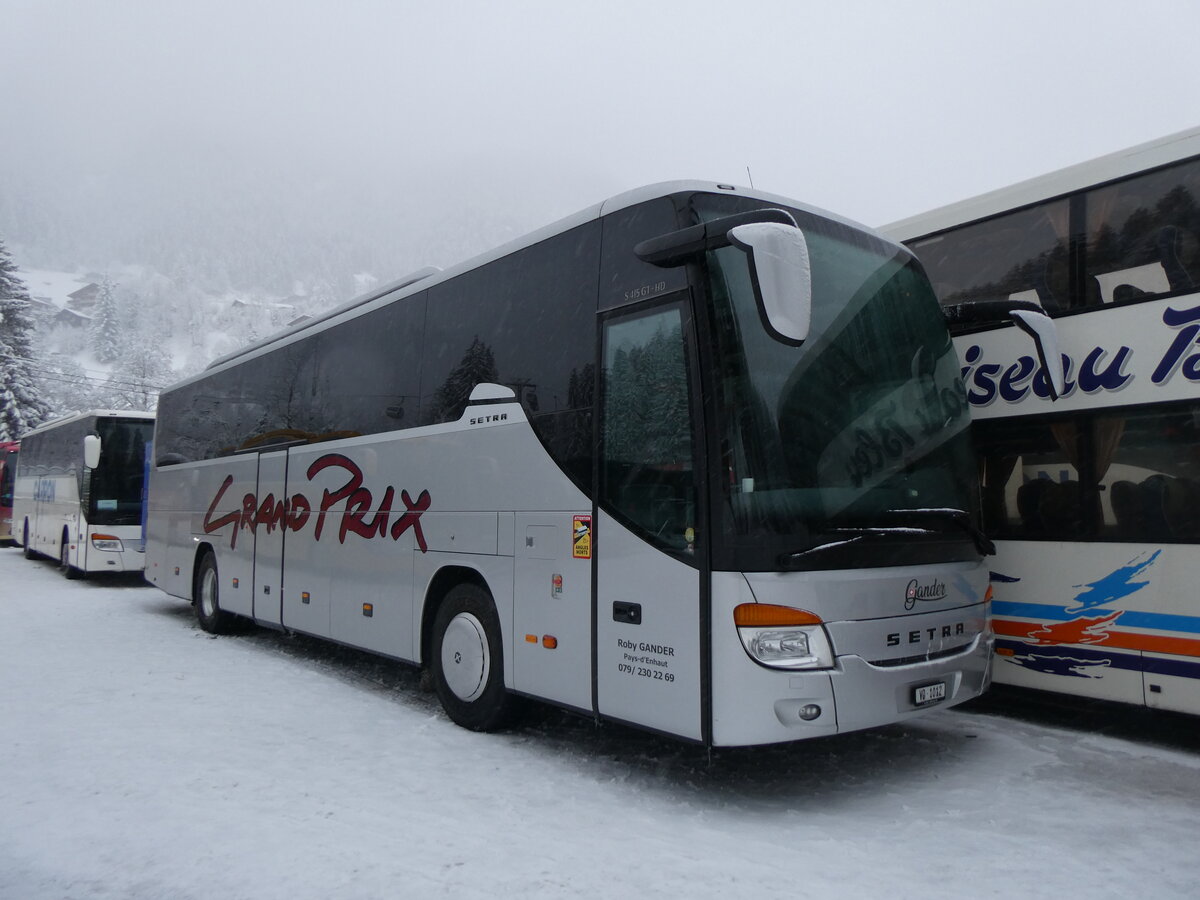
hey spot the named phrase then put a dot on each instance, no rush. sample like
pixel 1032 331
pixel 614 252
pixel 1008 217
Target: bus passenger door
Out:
pixel 649 653
pixel 268 537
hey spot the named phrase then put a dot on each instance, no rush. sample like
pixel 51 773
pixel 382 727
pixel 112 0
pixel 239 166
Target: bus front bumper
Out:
pixel 764 706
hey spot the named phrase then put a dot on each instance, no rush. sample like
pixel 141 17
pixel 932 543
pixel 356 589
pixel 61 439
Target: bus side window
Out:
pixel 1022 255
pixel 1143 235
pixel 1132 476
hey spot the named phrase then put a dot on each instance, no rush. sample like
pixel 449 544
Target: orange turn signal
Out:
pixel 768 615
pixel 549 641
pixel 988 594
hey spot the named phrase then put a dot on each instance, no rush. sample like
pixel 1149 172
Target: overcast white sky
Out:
pixel 872 108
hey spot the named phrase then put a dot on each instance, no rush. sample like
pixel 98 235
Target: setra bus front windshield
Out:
pixel 852 448
pixel 114 489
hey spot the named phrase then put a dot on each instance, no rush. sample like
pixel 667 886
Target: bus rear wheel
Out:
pixel 64 559
pixel 29 552
pixel 207 600
pixel 467 660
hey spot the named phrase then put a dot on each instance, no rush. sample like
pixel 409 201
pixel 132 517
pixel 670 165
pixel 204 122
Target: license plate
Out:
pixel 929 693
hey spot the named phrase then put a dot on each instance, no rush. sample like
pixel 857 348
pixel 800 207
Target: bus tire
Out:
pixel 467 660
pixel 29 552
pixel 64 564
pixel 206 598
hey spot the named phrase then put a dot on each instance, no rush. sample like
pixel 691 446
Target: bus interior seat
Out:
pixel 1181 509
pixel 1128 508
pixel 1029 499
pixel 1169 242
pixel 1060 509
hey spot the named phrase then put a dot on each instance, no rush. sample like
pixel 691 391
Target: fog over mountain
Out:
pixel 249 222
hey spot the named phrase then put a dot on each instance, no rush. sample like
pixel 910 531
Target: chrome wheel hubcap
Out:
pixel 466 662
pixel 208 593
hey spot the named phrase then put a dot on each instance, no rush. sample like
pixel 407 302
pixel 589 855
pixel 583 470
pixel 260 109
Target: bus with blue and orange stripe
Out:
pixel 1093 498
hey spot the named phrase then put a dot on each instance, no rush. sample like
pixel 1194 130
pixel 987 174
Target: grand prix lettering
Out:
pixel 1101 369
pixel 351 504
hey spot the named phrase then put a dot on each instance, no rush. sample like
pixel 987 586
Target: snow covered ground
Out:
pixel 141 758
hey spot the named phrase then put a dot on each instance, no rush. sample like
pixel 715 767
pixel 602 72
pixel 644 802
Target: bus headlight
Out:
pixel 783 637
pixel 109 542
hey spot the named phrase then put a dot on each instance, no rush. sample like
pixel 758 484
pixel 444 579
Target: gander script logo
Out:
pixel 923 592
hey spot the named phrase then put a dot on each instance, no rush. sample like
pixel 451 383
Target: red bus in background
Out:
pixel 8 473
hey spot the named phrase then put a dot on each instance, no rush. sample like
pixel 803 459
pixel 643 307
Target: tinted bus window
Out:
pixel 1130 474
pixel 1021 255
pixel 526 322
pixel 1143 236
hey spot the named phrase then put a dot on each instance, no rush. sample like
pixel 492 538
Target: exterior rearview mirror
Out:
pixel 91 450
pixel 781 274
pixel 1027 316
pixel 1042 330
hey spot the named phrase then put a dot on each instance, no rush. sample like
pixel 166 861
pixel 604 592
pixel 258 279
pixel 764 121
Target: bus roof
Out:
pixel 1161 152
pixel 430 276
pixel 91 413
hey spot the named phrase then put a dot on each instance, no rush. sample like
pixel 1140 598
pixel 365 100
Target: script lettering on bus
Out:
pixel 985 382
pixel 43 491
pixel 351 502
pixel 1102 369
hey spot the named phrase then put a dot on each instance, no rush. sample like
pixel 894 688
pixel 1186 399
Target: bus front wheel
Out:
pixel 467 660
pixel 207 600
pixel 29 552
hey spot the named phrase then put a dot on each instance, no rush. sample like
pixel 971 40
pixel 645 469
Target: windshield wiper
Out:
pixel 958 519
pixel 846 537
pixel 924 523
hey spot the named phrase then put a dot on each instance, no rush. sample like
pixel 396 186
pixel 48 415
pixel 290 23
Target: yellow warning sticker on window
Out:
pixel 581 537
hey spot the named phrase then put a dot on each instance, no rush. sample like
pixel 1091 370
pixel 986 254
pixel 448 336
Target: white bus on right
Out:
pixel 1093 497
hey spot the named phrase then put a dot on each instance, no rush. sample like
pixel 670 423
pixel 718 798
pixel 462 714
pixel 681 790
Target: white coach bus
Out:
pixel 694 459
pixel 79 491
pixel 1094 501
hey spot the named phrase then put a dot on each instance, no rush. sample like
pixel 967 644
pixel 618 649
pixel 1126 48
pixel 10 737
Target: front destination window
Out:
pixel 113 492
pixel 850 449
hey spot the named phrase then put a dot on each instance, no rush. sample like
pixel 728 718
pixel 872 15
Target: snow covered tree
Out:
pixel 141 371
pixel 65 385
pixel 21 407
pixel 106 324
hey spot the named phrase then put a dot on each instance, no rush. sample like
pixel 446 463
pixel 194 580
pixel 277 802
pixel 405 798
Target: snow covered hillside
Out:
pixel 144 759
pixel 113 339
